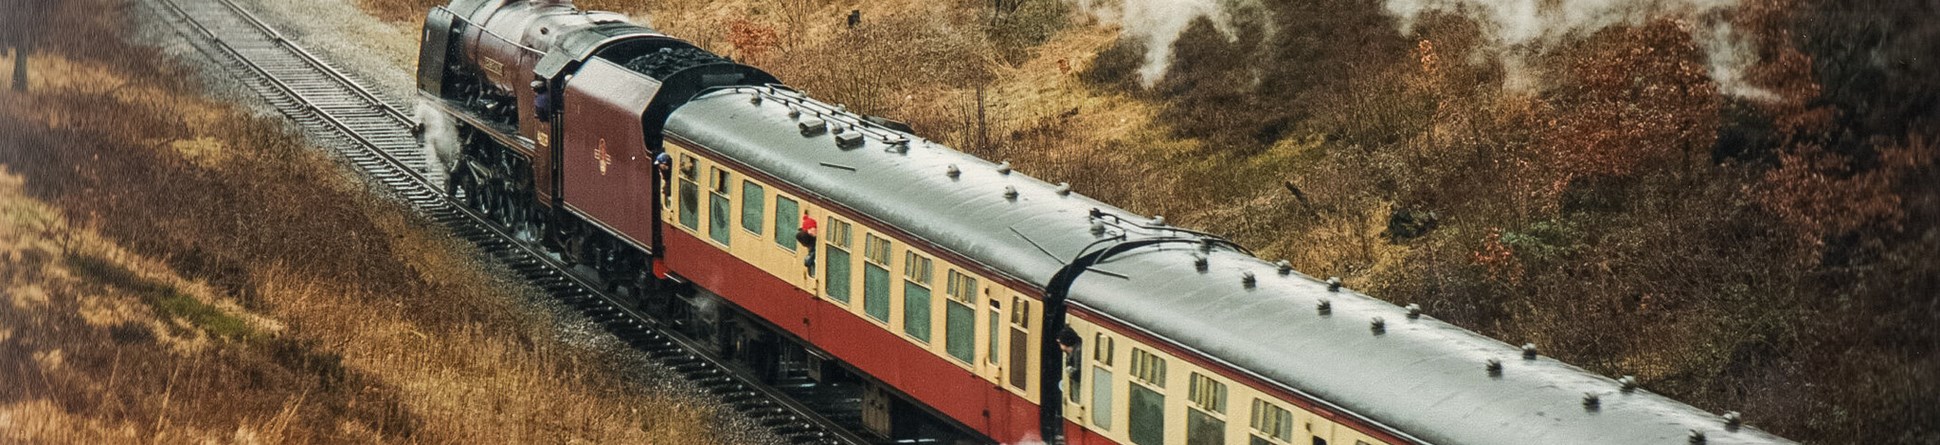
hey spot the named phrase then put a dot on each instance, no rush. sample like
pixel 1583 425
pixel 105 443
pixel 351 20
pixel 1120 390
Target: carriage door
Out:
pixel 1020 344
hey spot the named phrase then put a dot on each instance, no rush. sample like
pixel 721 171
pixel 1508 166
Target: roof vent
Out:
pixel 848 139
pixel 1733 420
pixel 794 112
pixel 1158 220
pixel 1378 325
pixel 1494 367
pixel 1064 189
pixel 1199 262
pixel 1528 351
pixel 895 139
pixel 1333 284
pixel 1414 311
pixel 1627 384
pixel 754 99
pixel 812 125
pixel 952 171
pixel 1010 193
pixel 1097 228
pixel 1325 307
pixel 1591 402
pixel 1284 267
pixel 1247 279
pixel 1003 168
pixel 1697 437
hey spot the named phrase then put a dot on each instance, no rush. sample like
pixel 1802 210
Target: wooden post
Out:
pixel 20 51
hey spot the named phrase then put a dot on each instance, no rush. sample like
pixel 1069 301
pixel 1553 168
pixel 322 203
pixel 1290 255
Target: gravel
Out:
pixel 383 56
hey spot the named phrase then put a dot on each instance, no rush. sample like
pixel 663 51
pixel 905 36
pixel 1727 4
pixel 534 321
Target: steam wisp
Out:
pixel 1158 24
pixel 441 145
pixel 1518 28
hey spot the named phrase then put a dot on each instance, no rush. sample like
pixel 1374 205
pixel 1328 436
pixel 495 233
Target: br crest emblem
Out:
pixel 602 156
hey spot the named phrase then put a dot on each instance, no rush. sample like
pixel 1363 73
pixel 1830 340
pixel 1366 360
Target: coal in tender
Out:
pixel 667 61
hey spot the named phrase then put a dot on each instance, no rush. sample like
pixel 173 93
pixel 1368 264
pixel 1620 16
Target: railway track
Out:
pixel 370 133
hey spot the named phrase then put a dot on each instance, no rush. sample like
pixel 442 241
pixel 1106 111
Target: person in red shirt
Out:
pixel 806 238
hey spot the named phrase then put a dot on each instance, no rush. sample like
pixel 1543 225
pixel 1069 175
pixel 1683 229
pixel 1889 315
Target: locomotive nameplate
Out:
pixel 494 68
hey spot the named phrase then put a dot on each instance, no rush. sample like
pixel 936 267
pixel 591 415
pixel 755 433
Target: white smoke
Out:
pixel 1519 28
pixel 1158 23
pixel 1029 439
pixel 440 136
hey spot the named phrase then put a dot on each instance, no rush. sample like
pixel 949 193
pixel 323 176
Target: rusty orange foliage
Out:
pixel 1643 98
pixel 1498 258
pixel 752 40
pixel 1824 195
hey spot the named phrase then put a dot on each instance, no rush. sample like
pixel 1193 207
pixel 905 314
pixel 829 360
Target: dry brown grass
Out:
pixel 176 271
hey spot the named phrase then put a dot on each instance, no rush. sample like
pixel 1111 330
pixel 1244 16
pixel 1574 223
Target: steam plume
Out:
pixel 1521 27
pixel 441 146
pixel 1158 23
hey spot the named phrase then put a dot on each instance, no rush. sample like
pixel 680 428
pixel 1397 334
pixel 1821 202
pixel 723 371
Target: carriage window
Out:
pixel 1271 422
pixel 840 236
pixel 717 206
pixel 1148 368
pixel 1208 394
pixel 994 325
pixel 916 296
pixel 688 167
pixel 1203 424
pixel 690 201
pixel 788 220
pixel 1147 404
pixel 1101 397
pixel 1102 348
pixel 1020 340
pixel 960 319
pixel 875 277
pixel 754 200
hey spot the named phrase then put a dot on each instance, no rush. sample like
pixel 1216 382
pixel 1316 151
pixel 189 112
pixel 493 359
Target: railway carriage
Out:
pixel 941 282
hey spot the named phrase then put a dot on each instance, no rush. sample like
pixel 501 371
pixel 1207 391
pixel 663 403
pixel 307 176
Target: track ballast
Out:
pixel 369 132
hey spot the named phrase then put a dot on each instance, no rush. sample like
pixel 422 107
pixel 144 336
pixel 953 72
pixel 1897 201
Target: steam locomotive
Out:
pixel 959 300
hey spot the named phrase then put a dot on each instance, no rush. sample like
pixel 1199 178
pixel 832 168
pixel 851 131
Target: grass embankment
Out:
pixel 174 270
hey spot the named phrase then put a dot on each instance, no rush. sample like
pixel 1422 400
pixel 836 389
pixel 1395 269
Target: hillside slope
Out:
pixel 177 269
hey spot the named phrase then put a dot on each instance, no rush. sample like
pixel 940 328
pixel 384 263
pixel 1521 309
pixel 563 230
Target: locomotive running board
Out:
pixel 505 135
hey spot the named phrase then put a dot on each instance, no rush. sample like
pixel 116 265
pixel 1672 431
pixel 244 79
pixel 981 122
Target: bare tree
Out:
pixel 20 25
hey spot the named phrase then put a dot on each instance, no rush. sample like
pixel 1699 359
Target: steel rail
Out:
pixel 766 405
